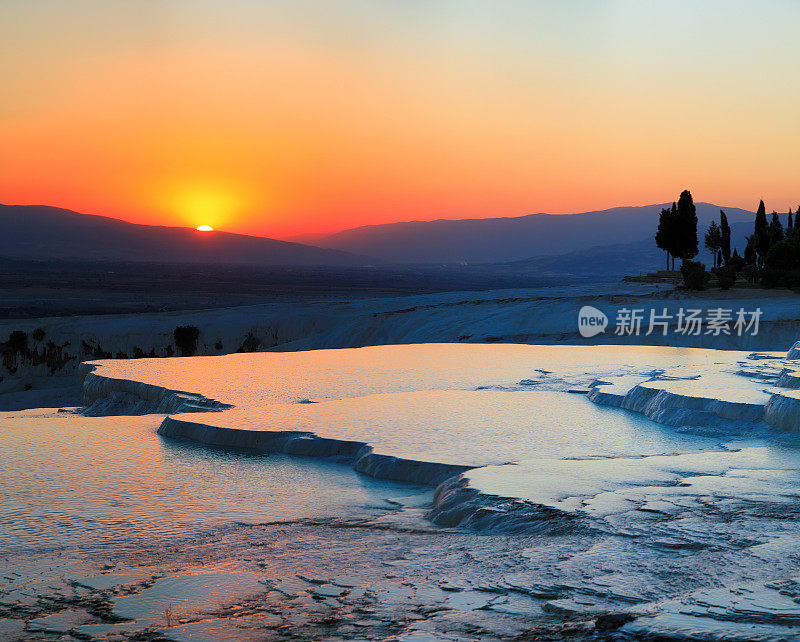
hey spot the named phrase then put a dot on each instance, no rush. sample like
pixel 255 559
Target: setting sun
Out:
pixel 490 327
pixel 203 202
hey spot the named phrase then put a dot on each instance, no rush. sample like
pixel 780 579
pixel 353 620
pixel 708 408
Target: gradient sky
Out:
pixel 282 118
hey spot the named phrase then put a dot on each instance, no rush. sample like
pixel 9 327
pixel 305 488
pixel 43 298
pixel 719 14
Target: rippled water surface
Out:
pixel 90 504
pixel 69 480
pixel 111 481
pixel 468 427
pixel 254 379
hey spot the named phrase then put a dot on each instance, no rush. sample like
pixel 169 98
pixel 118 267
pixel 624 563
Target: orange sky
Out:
pixel 281 118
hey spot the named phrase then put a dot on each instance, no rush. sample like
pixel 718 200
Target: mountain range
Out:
pixel 47 233
pixel 500 240
pixel 606 243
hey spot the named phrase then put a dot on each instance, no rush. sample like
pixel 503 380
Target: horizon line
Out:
pixel 295 238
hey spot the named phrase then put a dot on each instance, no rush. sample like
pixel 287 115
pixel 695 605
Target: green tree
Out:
pixel 726 276
pixel 687 226
pixel 676 237
pixel 760 238
pixel 666 236
pixel 750 256
pixel 737 261
pixel 186 337
pixel 713 240
pixel 784 255
pixel 725 230
pixel 761 216
pixel 694 275
pixel 775 230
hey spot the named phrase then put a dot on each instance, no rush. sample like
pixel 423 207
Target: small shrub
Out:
pixel 694 274
pixel 53 356
pixel 251 343
pixel 792 280
pixel 750 272
pixel 96 351
pixel 770 277
pixel 218 345
pixel 18 342
pixel 186 337
pixel 726 276
pixel 737 262
pixel 38 334
pixel 782 256
pixel 14 350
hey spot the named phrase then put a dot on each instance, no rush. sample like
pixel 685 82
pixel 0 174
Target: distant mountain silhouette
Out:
pixel 604 244
pixel 610 261
pixel 48 233
pixel 501 240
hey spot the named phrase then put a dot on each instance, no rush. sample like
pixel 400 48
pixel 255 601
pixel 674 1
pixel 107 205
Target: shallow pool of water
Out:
pixel 71 481
pixel 468 427
pixel 261 378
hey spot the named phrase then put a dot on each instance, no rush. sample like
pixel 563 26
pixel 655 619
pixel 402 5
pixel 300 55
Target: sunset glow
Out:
pixel 205 228
pixel 287 118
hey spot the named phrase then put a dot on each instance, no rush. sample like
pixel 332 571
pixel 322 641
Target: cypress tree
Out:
pixel 761 217
pixel 775 230
pixel 666 236
pixel 713 240
pixel 676 236
pixel 760 237
pixel 725 230
pixel 750 252
pixel 687 226
pixel 789 220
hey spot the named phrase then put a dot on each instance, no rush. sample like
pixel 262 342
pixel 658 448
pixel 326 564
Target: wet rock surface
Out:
pixel 357 579
pixel 689 537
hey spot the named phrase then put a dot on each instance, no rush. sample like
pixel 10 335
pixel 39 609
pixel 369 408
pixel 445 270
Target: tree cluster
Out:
pixel 771 256
pixel 677 230
pixel 776 256
pixel 718 240
pixel 186 337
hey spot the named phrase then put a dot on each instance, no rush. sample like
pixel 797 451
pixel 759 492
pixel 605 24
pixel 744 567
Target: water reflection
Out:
pixel 71 481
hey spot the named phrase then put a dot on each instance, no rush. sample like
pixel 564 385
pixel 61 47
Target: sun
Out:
pixel 206 204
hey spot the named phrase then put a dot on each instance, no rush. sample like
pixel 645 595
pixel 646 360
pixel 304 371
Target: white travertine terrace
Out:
pixel 675 450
